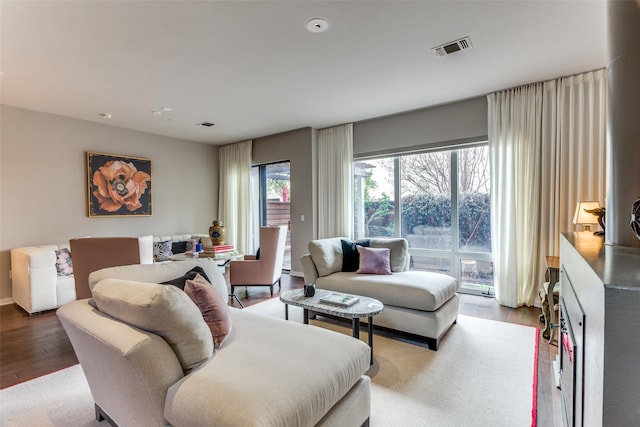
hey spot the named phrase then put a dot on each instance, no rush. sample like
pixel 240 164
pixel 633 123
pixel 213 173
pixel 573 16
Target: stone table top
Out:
pixel 365 307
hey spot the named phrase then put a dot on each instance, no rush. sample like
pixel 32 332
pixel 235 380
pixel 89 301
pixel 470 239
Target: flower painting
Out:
pixel 118 185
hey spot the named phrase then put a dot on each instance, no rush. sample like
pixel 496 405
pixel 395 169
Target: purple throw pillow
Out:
pixel 374 260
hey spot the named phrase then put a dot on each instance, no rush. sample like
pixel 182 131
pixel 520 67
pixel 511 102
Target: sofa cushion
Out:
pixel 158 273
pixel 213 308
pixel 178 247
pixel 181 281
pixel 419 290
pixel 350 255
pixel 327 255
pixel 163 310
pixel 64 264
pixel 374 261
pixel 399 258
pixel 162 250
pixel 319 365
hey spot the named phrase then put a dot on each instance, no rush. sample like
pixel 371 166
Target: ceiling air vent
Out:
pixel 206 124
pixel 452 47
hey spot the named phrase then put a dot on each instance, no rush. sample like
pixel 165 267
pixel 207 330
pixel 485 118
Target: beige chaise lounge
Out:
pixel 269 372
pixel 415 302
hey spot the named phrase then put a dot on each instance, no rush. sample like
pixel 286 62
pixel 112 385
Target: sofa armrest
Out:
pixel 34 277
pixel 309 269
pixel 115 359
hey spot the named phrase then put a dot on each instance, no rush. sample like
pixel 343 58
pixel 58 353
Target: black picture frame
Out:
pixel 118 185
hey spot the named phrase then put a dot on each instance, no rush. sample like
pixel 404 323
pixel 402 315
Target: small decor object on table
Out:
pixel 635 218
pixel 216 231
pixel 344 300
pixel 600 214
pixel 309 290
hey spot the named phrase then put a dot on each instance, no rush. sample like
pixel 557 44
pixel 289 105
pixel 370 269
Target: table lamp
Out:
pixel 582 217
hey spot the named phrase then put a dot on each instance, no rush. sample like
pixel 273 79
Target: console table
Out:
pixel 605 282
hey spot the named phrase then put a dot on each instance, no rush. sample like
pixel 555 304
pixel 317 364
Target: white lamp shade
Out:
pixel 582 217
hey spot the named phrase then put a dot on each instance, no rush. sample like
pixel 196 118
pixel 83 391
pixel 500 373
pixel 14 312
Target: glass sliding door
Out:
pixel 271 188
pixel 439 201
pixel 474 220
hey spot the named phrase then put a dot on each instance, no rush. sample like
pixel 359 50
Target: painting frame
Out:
pixel 118 185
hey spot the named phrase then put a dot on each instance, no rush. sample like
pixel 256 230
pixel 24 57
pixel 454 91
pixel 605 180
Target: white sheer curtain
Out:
pixel 234 200
pixel 335 181
pixel 547 149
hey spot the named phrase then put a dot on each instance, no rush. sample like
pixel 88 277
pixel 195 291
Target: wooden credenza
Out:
pixel 605 280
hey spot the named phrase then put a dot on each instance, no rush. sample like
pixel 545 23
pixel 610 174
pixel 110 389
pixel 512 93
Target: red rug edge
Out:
pixel 534 400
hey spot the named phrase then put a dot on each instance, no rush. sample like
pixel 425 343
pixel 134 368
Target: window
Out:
pixel 271 187
pixel 443 210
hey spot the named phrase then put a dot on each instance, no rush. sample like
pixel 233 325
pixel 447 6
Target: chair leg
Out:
pixel 233 296
pixel 271 288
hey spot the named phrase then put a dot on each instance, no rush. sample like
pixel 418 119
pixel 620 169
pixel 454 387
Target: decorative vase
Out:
pixel 309 290
pixel 216 231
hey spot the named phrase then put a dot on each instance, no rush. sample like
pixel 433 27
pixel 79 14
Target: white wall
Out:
pixel 297 147
pixel 43 182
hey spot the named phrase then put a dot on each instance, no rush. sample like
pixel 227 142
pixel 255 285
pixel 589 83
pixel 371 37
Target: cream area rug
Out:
pixel 482 375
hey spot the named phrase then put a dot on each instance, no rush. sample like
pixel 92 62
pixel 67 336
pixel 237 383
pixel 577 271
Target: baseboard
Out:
pixel 296 273
pixel 6 301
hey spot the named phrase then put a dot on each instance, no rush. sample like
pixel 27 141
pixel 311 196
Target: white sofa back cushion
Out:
pixel 162 309
pixel 399 248
pixel 327 253
pixel 159 273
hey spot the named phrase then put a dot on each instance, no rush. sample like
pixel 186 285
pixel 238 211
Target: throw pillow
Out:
pixel 178 247
pixel 191 245
pixel 162 250
pixel 163 310
pixel 374 260
pixel 350 256
pixel 214 310
pixel 181 281
pixel 64 265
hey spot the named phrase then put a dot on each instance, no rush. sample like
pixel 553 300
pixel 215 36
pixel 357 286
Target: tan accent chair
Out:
pixel 265 271
pixel 94 253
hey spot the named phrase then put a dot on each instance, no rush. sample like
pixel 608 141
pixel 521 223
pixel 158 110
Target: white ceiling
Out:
pixel 251 67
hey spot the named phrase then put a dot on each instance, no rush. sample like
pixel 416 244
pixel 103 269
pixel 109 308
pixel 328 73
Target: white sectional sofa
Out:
pixel 36 285
pixel 268 372
pixel 415 302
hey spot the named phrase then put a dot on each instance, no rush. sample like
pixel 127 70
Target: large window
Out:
pixel 443 210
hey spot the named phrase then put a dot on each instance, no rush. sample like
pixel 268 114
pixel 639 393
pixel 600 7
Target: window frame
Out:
pixel 455 255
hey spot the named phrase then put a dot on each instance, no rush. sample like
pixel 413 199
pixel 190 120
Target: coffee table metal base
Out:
pixel 355 326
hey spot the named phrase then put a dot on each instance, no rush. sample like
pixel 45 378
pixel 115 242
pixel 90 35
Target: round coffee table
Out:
pixel 365 307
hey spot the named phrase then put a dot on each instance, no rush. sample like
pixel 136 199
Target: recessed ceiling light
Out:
pixel 167 109
pixel 156 112
pixel 105 115
pixel 317 25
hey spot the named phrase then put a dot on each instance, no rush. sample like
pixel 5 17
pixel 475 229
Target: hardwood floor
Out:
pixel 32 346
